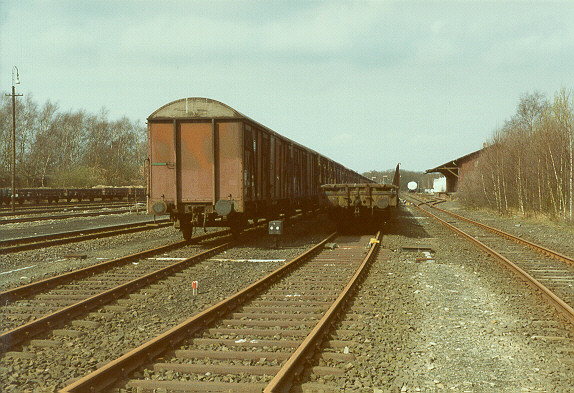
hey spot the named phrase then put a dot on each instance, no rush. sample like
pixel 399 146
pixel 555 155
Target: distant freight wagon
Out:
pixel 363 206
pixel 55 195
pixel 213 166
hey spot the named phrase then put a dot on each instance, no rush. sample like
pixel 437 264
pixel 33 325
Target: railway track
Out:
pixel 33 309
pixel 50 208
pixel 41 241
pixel 62 216
pixel 260 338
pixel 550 272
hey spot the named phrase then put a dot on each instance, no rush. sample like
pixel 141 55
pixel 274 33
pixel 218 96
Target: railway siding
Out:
pixel 33 265
pixel 114 329
pixel 435 313
pixel 455 321
pixel 545 270
pixel 314 284
pixel 41 241
pixel 540 230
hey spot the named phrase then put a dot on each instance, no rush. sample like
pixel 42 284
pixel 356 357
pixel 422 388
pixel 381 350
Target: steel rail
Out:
pixel 61 217
pixel 566 310
pixel 41 241
pixel 108 374
pixel 50 208
pixel 28 290
pixel 283 380
pixel 543 250
pixel 22 333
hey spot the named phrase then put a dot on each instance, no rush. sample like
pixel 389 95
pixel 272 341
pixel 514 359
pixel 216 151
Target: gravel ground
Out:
pixel 554 235
pixel 457 322
pixel 148 313
pixel 24 229
pixel 27 266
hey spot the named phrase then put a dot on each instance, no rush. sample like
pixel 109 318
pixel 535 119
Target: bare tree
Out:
pixel 527 166
pixel 56 148
pixel 563 113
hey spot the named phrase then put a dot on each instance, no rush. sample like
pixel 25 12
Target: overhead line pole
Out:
pixel 14 95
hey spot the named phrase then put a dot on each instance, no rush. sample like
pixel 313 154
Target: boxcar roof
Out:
pixel 195 108
pixel 206 108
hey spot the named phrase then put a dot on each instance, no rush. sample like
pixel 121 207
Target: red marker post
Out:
pixel 194 287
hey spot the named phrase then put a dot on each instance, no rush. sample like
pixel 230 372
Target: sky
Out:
pixel 367 83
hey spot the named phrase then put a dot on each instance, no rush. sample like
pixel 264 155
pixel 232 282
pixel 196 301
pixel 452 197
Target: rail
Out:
pixel 564 308
pixel 120 368
pixel 283 380
pixel 24 332
pixel 42 241
pixel 61 216
pixel 537 247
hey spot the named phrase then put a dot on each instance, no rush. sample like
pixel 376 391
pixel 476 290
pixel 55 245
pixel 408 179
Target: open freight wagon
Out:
pixel 362 205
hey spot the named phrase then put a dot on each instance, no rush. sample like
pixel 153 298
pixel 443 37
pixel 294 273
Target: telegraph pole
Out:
pixel 15 81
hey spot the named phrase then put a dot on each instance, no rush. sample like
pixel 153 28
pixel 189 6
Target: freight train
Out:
pixel 54 195
pixel 210 165
pixel 361 206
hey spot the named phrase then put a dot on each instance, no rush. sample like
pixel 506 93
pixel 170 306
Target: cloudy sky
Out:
pixel 368 84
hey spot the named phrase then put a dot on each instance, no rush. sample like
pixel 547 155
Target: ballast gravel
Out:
pixel 452 320
pixel 83 346
pixel 27 266
pixel 554 234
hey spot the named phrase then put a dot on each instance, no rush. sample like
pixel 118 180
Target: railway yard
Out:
pixel 287 197
pixel 430 312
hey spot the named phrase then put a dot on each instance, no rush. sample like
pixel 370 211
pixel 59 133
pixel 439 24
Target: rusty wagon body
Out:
pixel 210 165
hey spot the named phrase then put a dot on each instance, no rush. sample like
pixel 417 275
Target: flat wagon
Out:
pixel 210 165
pixel 361 205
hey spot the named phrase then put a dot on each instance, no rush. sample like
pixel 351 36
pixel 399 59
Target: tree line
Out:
pixel 56 148
pixel 527 165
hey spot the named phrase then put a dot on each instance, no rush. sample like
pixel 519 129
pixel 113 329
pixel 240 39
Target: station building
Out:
pixel 455 170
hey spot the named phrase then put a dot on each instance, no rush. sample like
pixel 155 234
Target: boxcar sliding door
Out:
pixel 162 161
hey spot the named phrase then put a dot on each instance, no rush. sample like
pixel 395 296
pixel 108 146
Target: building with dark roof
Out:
pixel 455 170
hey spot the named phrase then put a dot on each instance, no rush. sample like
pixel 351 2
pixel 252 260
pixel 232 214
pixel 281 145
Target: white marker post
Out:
pixel 194 286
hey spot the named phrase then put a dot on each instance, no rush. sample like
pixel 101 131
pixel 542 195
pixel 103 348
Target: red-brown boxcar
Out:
pixel 210 165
